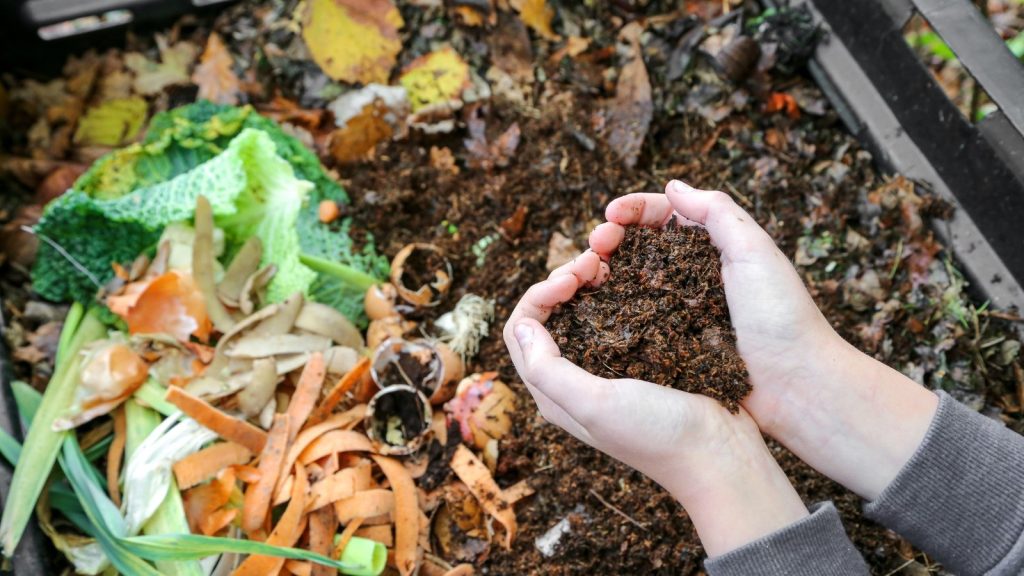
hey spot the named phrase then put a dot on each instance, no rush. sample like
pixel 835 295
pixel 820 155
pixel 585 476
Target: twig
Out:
pixel 901 567
pixel 1001 315
pixel 639 525
pixel 60 250
pixel 896 261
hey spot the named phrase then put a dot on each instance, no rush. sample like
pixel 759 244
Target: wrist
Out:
pixel 736 493
pixel 854 419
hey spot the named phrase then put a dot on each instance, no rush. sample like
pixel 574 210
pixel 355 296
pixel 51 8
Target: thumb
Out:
pixel 732 230
pixel 536 345
pixel 544 368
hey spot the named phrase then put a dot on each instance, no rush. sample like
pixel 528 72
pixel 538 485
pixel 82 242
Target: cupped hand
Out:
pixel 715 463
pixel 780 333
pixel 844 413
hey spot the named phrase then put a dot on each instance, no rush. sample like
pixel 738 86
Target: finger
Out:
pixel 603 273
pixel 605 238
pixel 542 297
pixel 642 209
pixel 584 267
pixel 537 304
pixel 580 394
pixel 732 230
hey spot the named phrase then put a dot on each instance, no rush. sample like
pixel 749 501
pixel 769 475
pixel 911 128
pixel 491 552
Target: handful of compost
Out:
pixel 661 317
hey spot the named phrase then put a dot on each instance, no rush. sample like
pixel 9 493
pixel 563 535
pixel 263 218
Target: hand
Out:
pixel 715 463
pixel 847 415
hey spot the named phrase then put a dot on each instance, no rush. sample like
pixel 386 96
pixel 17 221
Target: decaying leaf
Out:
pixel 560 250
pixel 353 40
pixel 112 123
pixel 631 111
pixel 538 15
pixel 152 77
pixel 488 155
pixel 214 74
pixel 366 117
pixel 435 79
pixel 511 50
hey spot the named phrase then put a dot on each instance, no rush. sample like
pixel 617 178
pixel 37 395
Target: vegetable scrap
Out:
pixel 254 445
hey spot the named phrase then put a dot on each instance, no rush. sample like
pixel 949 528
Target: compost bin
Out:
pixel 473 148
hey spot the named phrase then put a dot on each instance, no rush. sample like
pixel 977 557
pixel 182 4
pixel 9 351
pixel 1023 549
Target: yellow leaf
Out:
pixel 112 123
pixel 435 78
pixel 537 15
pixel 214 75
pixel 353 40
pixel 152 77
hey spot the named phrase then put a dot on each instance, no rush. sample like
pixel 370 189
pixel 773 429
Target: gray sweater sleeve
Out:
pixel 960 498
pixel 814 546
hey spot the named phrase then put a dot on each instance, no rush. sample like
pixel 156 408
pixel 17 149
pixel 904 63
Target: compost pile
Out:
pixel 420 184
pixel 661 317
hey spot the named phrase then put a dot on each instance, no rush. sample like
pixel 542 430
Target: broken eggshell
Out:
pixel 425 366
pixel 379 301
pixel 111 372
pixel 396 420
pixel 421 274
pixel 460 525
pixel 386 328
pixel 483 407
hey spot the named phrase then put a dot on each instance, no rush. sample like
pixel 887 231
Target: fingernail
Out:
pixel 524 335
pixel 678 187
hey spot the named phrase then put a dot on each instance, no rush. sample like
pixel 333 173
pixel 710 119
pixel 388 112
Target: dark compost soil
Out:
pixel 661 317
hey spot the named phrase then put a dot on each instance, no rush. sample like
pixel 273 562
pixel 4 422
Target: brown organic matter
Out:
pixel 660 317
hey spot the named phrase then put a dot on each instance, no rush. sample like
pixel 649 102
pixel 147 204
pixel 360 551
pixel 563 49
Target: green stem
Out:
pixel 42 443
pixel 347 274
